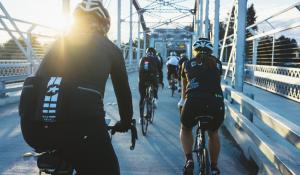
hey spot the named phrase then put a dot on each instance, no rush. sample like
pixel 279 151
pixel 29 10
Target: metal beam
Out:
pixel 200 18
pixel 130 34
pixel 207 23
pixel 216 28
pixel 119 25
pixel 240 45
pixel 140 12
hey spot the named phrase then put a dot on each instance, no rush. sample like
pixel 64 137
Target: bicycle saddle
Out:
pixel 204 120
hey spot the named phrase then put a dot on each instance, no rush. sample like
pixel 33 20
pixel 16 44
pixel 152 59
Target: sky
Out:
pixel 49 12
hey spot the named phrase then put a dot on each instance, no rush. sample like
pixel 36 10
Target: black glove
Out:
pixel 121 127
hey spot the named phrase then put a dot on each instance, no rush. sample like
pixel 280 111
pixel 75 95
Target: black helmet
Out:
pixel 151 50
pixel 183 55
pixel 203 45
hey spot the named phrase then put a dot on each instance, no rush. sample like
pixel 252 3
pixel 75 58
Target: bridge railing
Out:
pixel 283 81
pixel 23 45
pixel 246 120
pixel 273 41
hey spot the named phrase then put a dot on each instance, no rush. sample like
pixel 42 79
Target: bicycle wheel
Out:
pixel 197 150
pixel 173 89
pixel 144 121
pixel 204 157
pixel 207 162
pixel 152 111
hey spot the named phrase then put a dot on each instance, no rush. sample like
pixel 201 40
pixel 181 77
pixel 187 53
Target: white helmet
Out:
pixel 96 8
pixel 203 44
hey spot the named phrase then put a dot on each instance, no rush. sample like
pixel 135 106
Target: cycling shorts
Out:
pixel 172 70
pixel 207 105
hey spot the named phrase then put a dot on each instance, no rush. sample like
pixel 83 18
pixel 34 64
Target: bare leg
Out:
pixel 186 137
pixel 214 147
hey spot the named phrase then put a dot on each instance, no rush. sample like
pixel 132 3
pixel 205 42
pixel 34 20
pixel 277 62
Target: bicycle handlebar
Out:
pixel 133 131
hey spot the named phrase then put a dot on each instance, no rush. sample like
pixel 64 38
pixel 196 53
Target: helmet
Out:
pixel 151 51
pixel 203 45
pixel 172 54
pixel 96 8
pixel 183 55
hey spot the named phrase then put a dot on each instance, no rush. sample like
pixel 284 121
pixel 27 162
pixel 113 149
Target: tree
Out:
pixel 251 16
pixel 10 50
pixel 284 50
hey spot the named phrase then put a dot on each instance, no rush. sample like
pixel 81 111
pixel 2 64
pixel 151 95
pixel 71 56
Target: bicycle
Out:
pixel 50 162
pixel 150 109
pixel 200 148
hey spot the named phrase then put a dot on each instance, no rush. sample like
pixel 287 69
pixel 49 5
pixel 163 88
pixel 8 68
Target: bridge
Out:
pixel 261 82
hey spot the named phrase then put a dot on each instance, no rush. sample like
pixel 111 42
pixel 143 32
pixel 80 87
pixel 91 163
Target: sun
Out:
pixel 65 23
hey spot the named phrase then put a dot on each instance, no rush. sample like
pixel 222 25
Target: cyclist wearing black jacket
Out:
pixel 85 57
pixel 149 72
pixel 201 78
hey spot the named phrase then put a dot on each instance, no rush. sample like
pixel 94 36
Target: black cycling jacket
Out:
pixel 154 63
pixel 90 59
pixel 201 77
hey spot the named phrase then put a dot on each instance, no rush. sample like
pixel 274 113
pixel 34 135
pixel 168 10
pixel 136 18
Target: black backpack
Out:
pixel 50 106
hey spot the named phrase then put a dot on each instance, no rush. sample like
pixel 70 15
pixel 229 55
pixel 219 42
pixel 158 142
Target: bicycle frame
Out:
pixel 148 102
pixel 173 84
pixel 201 151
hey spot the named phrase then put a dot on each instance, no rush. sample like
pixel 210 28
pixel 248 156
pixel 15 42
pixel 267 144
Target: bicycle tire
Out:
pixel 203 162
pixel 144 121
pixel 173 88
pixel 207 163
pixel 152 112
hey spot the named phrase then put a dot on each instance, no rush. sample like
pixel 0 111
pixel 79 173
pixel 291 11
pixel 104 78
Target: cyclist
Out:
pixel 172 66
pixel 149 72
pixel 183 59
pixel 160 60
pixel 203 95
pixel 83 59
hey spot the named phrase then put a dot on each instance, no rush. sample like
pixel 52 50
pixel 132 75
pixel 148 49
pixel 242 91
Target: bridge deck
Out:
pixel 158 153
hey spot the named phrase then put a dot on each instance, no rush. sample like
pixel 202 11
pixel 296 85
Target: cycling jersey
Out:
pixel 161 61
pixel 201 77
pixel 172 60
pixel 149 72
pixel 180 64
pixel 149 65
